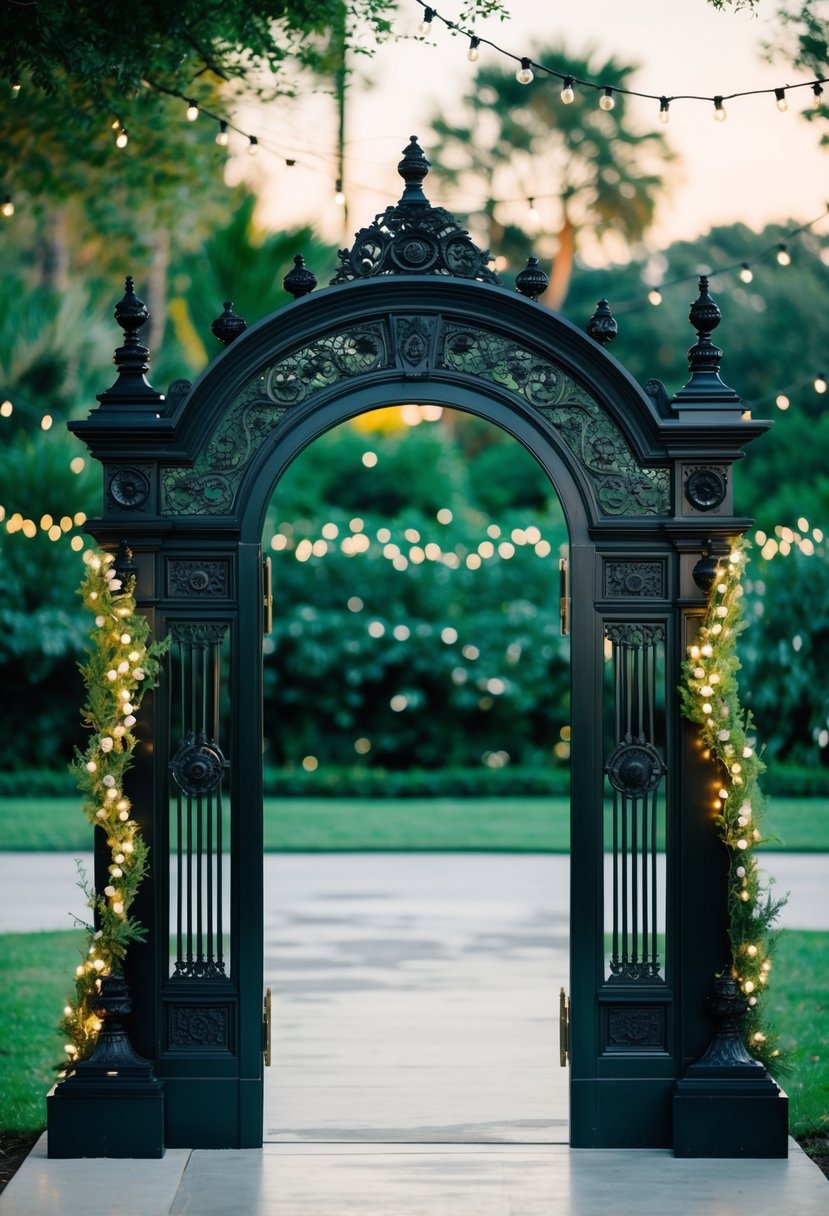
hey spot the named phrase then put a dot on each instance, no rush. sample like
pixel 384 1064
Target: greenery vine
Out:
pixel 122 664
pixel 710 698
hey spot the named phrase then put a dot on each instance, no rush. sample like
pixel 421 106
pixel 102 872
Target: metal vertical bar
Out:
pixel 200 812
pixel 217 671
pixel 617 691
pixel 179 824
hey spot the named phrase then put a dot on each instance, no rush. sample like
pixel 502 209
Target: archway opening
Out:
pixel 416 733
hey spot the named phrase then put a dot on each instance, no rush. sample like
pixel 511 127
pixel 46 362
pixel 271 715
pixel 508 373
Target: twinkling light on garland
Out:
pixel 710 698
pixel 121 666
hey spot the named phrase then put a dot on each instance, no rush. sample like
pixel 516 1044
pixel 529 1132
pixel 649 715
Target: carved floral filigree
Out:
pixel 622 486
pixel 198 1026
pixel 643 579
pixel 201 579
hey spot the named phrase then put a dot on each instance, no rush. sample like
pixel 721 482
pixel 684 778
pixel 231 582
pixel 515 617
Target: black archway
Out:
pixel 644 482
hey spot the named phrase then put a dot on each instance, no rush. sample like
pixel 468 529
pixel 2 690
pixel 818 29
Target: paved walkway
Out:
pixel 415 1069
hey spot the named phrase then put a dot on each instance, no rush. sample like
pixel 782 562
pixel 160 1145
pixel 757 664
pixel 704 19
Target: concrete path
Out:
pixel 38 891
pixel 415 1068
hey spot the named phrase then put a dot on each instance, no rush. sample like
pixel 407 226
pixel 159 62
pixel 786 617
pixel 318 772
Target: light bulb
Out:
pixel 568 95
pixel 784 258
pixel 253 145
pixel 339 196
pixel 720 113
pixel 222 137
pixel 15 89
pixel 121 139
pixel 524 75
pixel 820 383
pixel 654 297
pixel 817 89
pixel 473 54
pixel 664 110
pixel 782 104
pixel 192 111
pixel 532 215
pixel 7 207
pixel 425 26
pixel 607 101
pixel 746 273
pixel 782 401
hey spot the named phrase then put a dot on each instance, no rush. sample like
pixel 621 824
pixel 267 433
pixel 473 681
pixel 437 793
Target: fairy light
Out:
pixel 746 273
pixel 784 258
pixel 15 90
pixel 782 103
pixel 474 54
pixel 253 145
pixel 7 206
pixel 568 93
pixel 817 100
pixel 222 137
pixel 664 110
pixel 192 112
pixel 533 215
pixel 655 297
pixel 720 112
pixel 607 101
pixel 820 383
pixel 339 194
pixel 524 75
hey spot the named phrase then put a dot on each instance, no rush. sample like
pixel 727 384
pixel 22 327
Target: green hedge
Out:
pixel 336 782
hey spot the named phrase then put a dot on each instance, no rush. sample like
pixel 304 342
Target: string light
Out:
pixel 524 75
pixel 820 383
pixel 222 137
pixel 7 207
pixel 339 195
pixel 121 138
pixel 192 112
pixel 782 104
pixel 746 273
pixel 784 258
pixel 473 54
pixel 720 112
pixel 568 93
pixel 818 93
pixel 253 145
pixel 664 110
pixel 432 15
pixel 15 90
pixel 425 26
pixel 655 297
pixel 533 216
pixel 607 101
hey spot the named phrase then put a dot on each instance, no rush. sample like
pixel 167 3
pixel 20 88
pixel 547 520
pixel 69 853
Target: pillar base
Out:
pixel 103 1119
pixel 730 1117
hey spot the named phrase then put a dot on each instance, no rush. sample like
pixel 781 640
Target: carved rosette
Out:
pixel 634 767
pixel 128 487
pixel 635 1028
pixel 705 487
pixel 197 765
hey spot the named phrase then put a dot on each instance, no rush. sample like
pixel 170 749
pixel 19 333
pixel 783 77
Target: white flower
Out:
pixel 106 743
pixel 110 891
pixel 109 780
pixel 130 720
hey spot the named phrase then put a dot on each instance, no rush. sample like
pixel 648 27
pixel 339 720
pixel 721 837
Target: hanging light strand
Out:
pixel 607 100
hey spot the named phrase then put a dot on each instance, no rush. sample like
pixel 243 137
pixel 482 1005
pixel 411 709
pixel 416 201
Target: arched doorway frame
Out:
pixel 638 523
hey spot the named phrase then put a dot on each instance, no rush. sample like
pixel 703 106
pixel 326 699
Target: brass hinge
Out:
pixel 563 1029
pixel 267 588
pixel 266 1028
pixel 564 595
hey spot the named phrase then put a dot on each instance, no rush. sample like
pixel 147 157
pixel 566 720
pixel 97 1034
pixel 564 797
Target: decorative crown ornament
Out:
pixel 414 237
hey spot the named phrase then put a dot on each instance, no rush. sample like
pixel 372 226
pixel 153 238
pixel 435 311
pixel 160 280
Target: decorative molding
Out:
pixel 622 486
pixel 414 337
pixel 634 634
pixel 187 578
pixel 635 1028
pixel 195 1027
pixel 128 487
pixel 705 487
pixel 645 580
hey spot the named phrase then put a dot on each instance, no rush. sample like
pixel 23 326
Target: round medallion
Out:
pixel 129 488
pixel 462 256
pixel 635 768
pixel 417 253
pixel 197 766
pixel 199 580
pixel 705 489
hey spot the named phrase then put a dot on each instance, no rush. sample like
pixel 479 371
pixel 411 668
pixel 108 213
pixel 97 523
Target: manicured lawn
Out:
pixel 295 824
pixel 36 975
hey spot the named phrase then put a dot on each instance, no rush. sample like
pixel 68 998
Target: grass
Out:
pixel 36 974
pixel 296 824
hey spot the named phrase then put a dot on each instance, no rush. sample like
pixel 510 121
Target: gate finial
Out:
pixel 531 281
pixel 132 359
pixel 704 388
pixel 300 281
pixel 602 326
pixel 228 326
pixel 413 168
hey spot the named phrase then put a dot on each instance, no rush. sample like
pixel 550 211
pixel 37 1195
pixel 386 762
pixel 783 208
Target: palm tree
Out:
pixel 589 171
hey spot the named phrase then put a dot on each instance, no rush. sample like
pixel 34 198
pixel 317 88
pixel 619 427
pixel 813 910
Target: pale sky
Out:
pixel 758 166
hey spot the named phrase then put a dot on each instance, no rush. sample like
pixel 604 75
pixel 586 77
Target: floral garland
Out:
pixel 121 666
pixel 710 698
